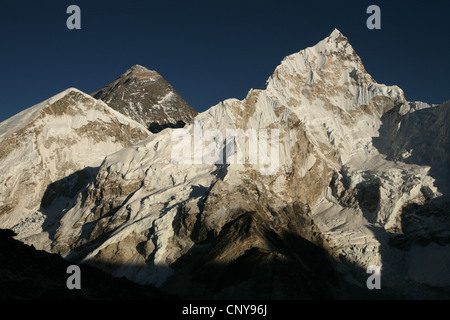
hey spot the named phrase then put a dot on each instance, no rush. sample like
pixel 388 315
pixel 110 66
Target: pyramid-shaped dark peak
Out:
pixel 146 97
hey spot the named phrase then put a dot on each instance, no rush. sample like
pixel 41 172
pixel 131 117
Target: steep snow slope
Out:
pixel 68 134
pixel 310 187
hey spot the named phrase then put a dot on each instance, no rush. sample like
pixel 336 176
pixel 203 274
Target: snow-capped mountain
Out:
pixel 146 97
pixel 280 195
pixel 66 136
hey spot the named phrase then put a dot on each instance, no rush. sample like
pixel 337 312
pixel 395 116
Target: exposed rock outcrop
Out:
pixel 146 97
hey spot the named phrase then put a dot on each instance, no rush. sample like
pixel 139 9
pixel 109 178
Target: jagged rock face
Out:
pixel 329 74
pixel 61 136
pixel 180 206
pixel 312 192
pixel 147 98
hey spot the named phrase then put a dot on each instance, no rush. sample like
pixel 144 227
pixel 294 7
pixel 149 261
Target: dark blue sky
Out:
pixel 212 50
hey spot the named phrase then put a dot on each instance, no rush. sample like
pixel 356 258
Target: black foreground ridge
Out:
pixel 27 273
pixel 362 181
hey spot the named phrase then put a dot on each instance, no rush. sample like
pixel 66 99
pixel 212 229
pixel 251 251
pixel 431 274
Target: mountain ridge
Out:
pixel 29 274
pixel 55 138
pixel 331 195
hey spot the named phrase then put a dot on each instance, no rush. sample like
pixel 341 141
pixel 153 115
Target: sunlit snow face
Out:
pixel 229 146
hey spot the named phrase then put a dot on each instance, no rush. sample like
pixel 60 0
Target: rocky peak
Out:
pixel 337 36
pixel 334 199
pixel 329 72
pixel 142 73
pixel 146 97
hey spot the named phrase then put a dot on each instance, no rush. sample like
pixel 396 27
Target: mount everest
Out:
pixel 146 97
pixel 361 179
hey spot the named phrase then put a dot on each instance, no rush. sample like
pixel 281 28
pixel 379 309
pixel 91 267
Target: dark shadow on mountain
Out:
pixel 181 220
pixel 422 224
pixel 419 225
pixel 293 269
pixel 368 197
pixel 82 250
pixel 257 274
pixel 364 195
pixel 27 273
pixel 61 195
pixel 270 262
pixel 411 266
pixel 221 171
pixel 421 138
pixel 156 127
pixel 251 258
pixel 418 138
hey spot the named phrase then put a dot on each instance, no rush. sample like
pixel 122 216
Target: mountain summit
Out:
pixel 141 72
pixel 330 73
pixel 146 97
pixel 66 135
pixel 290 193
